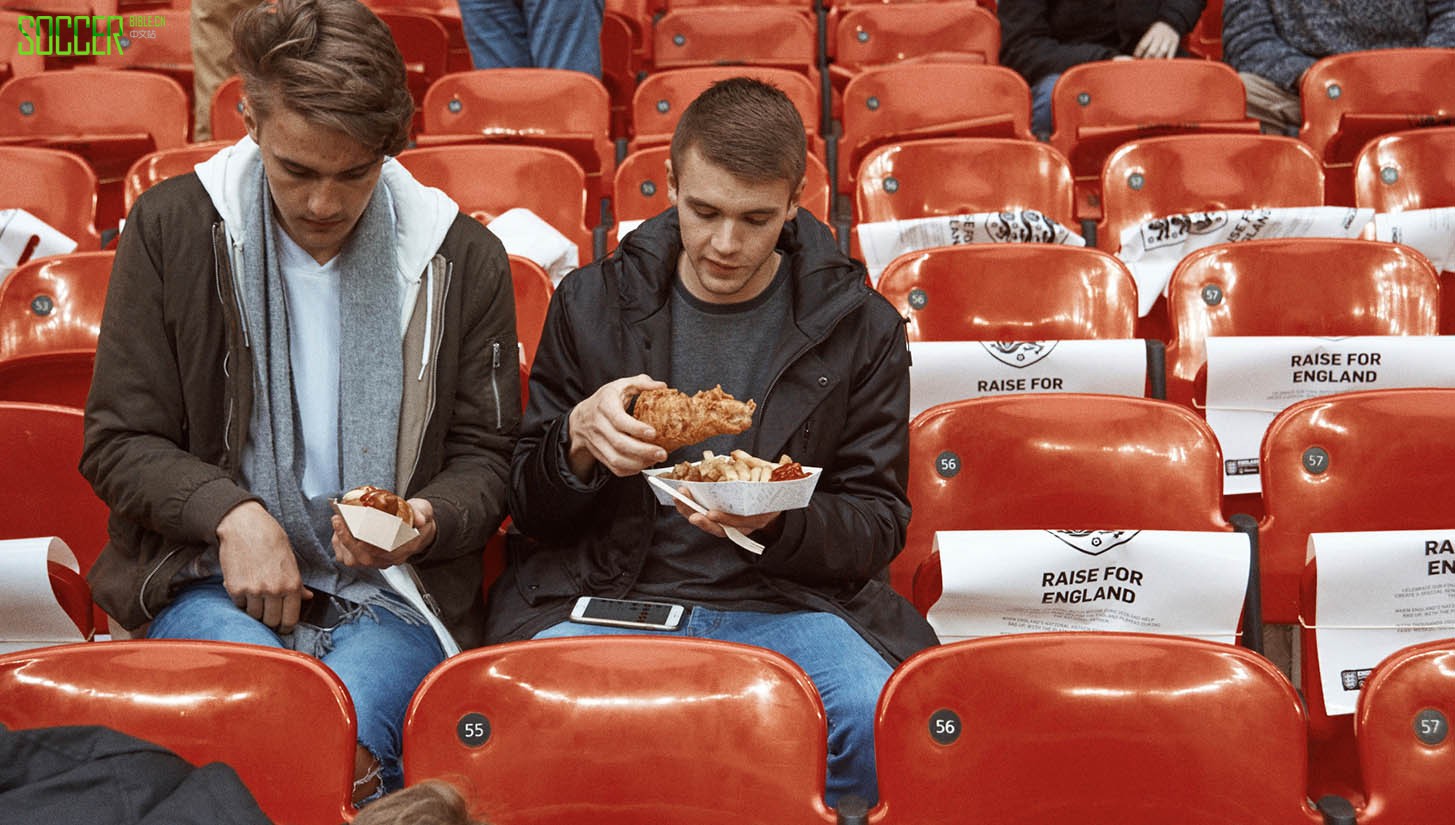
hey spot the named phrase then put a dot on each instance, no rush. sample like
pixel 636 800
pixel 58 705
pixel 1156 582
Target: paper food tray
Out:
pixel 742 498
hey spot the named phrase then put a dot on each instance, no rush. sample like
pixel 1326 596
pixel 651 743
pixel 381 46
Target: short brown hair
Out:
pixel 431 802
pixel 746 126
pixel 331 61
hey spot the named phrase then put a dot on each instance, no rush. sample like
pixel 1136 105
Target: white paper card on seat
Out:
pixel 1378 592
pixel 526 234
pixel 1180 583
pixel 18 228
pixel 1431 231
pixel 883 241
pixel 942 371
pixel 1251 379
pixel 30 616
pixel 1152 249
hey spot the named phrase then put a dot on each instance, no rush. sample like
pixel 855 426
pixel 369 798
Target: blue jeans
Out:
pixel 847 672
pixel 381 694
pixel 1041 123
pixel 545 34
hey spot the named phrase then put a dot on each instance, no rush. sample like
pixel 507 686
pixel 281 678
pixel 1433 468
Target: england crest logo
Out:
pixel 1094 542
pixel 1018 354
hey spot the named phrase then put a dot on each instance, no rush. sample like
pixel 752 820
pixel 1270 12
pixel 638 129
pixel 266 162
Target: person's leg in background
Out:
pixel 211 56
pixel 1278 109
pixel 495 31
pixel 565 34
pixel 847 672
pixel 1041 124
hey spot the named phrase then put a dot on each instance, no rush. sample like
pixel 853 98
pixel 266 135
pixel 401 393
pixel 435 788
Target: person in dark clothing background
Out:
pixel 1043 38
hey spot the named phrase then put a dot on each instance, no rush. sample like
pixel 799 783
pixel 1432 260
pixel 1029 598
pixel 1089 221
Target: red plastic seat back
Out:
pixel 77 103
pixel 533 290
pixel 1159 176
pixel 1293 286
pixel 556 108
pixel 1407 170
pixel 1011 292
pixel 641 185
pixel 1386 450
pixel 282 720
pixel 150 170
pixel 901 181
pixel 1057 461
pixel 226 111
pixel 881 34
pixel 54 185
pixel 909 101
pixel 765 35
pixel 1408 696
pixel 663 96
pixel 646 729
pixel 1049 728
pixel 54 304
pixel 548 182
pixel 43 492
pixel 1351 98
pixel 1096 107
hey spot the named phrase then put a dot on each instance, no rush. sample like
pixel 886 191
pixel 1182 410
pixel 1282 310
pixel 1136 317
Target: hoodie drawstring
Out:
pixel 428 320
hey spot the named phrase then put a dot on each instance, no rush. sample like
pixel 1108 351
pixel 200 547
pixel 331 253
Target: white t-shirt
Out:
pixel 314 332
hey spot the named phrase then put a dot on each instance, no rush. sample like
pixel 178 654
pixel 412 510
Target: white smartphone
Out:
pixel 627 613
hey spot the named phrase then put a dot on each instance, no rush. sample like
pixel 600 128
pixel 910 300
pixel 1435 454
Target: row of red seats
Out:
pixel 1028 729
pixel 1054 461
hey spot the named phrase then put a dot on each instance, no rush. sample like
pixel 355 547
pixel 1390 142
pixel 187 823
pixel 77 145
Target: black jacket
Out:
pixel 839 400
pixel 1042 37
pixel 86 775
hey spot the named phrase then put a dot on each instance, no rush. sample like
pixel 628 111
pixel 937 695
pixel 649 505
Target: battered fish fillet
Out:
pixel 681 421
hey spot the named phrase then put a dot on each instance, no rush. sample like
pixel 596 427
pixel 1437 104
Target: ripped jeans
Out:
pixel 364 640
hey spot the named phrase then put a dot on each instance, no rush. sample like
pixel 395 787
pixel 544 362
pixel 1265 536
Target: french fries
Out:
pixel 736 466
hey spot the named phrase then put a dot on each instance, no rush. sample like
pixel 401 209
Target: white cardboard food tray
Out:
pixel 743 498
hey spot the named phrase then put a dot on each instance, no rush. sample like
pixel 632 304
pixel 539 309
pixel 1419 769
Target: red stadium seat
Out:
pixel 1054 461
pixel 1386 450
pixel 78 111
pixel 880 34
pixel 43 492
pixel 54 185
pixel 552 108
pixel 761 35
pixel 424 44
pixel 533 291
pixel 1158 176
pixel 901 181
pixel 227 106
pixel 1292 286
pixel 641 186
pixel 12 36
pixel 1011 292
pixel 546 181
pixel 50 316
pixel 167 48
pixel 1403 730
pixel 1350 98
pixel 1049 728
pixel 663 96
pixel 653 729
pixel 1098 106
pixel 150 170
pixel 282 720
pixel 909 101
pixel 1411 170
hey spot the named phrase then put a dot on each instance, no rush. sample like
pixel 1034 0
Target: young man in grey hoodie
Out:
pixel 297 318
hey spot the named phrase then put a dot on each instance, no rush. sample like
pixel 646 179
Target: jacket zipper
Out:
pixel 495 383
pixel 434 347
